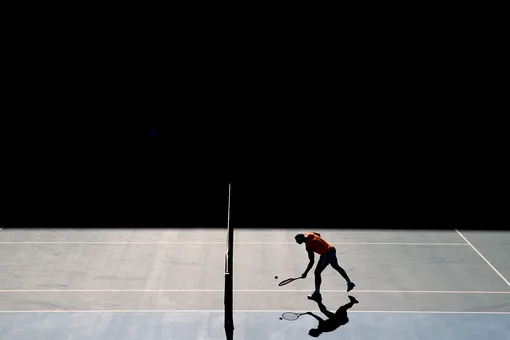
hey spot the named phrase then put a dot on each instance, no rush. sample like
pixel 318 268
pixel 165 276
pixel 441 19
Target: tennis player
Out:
pixel 316 244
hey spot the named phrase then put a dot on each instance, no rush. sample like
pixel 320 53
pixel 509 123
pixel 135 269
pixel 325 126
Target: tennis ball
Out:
pixel 276 277
pixel 281 318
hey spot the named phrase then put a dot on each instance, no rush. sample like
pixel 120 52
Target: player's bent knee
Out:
pixel 318 271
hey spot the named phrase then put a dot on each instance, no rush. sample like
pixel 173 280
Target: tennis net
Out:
pixel 228 300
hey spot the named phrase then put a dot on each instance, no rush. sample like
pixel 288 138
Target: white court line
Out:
pixel 235 311
pixel 223 242
pixel 246 291
pixel 490 265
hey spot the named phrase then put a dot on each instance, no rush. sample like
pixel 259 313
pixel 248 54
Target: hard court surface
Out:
pixel 168 284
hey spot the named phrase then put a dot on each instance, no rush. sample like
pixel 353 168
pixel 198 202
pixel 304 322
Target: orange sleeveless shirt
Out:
pixel 315 243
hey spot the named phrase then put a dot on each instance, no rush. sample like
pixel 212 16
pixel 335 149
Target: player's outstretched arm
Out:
pixel 316 317
pixel 311 258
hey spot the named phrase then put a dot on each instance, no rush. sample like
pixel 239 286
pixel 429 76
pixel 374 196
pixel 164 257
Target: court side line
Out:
pixel 490 265
pixel 223 242
pixel 244 291
pixel 235 311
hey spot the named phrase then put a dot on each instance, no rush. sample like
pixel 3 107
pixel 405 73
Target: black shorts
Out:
pixel 327 258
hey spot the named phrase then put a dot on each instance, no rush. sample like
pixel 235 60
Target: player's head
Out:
pixel 300 238
pixel 315 332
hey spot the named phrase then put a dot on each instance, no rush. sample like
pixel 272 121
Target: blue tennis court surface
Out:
pixel 168 284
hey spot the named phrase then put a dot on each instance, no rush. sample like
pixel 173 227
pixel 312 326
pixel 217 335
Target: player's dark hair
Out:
pixel 299 236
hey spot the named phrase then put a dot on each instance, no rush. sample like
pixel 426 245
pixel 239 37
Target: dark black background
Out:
pixel 381 125
pixel 366 175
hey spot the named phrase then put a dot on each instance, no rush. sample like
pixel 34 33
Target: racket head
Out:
pixel 287 281
pixel 290 316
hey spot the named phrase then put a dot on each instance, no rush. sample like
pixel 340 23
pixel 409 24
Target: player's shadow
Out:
pixel 333 321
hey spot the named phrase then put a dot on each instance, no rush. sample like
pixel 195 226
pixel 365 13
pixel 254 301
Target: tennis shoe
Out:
pixel 315 297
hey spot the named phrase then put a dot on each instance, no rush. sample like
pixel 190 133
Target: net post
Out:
pixel 228 297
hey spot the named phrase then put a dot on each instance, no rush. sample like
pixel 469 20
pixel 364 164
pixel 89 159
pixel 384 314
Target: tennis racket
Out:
pixel 285 282
pixel 290 316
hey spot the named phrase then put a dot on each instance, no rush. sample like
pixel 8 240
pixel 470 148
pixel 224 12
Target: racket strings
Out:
pixel 285 282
